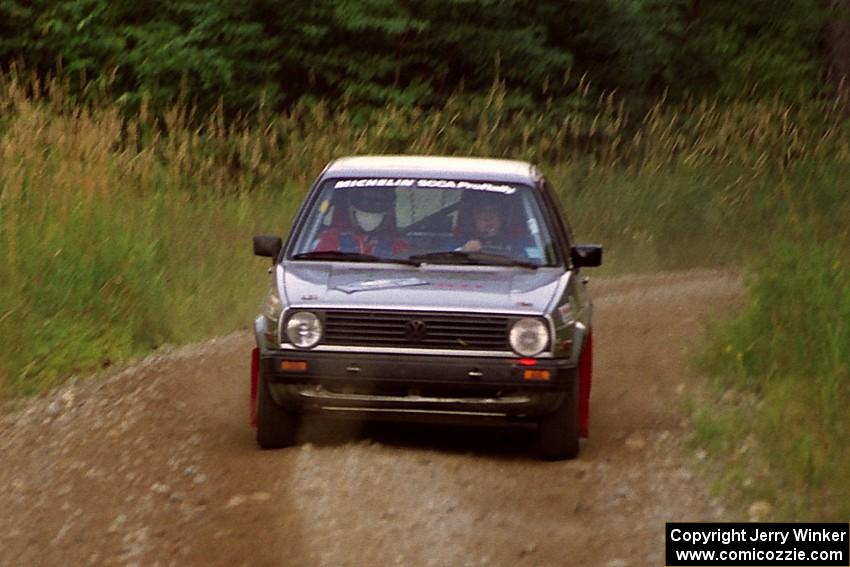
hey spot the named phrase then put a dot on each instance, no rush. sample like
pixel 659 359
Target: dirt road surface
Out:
pixel 155 465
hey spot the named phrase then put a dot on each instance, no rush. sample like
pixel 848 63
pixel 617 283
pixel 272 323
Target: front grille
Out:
pixel 416 330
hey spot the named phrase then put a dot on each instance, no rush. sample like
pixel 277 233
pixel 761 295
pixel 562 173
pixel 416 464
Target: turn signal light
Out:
pixel 536 374
pixel 293 365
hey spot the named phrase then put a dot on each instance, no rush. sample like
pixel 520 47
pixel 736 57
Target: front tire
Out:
pixel 558 432
pixel 276 427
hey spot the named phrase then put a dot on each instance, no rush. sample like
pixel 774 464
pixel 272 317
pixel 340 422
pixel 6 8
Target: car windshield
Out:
pixel 426 221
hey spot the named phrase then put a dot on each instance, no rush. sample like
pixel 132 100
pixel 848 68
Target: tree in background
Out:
pixel 212 49
pixel 417 52
pixel 764 46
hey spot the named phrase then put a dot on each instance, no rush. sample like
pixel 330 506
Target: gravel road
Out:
pixel 155 464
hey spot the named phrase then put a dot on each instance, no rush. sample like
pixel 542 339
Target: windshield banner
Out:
pixel 427 183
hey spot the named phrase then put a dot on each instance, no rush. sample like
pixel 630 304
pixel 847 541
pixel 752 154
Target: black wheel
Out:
pixel 276 427
pixel 558 432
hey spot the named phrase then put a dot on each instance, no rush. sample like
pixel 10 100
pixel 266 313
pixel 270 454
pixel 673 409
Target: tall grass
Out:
pixel 788 355
pixel 120 233
pixel 114 241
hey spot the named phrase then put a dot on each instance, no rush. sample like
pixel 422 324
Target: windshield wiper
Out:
pixel 331 255
pixel 475 258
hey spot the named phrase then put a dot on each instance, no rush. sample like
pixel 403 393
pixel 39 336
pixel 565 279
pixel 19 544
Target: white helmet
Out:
pixel 369 207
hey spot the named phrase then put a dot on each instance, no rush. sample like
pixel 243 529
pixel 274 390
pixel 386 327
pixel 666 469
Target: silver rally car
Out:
pixel 427 289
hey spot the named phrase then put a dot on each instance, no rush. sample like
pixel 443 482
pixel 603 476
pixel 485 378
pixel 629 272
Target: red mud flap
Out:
pixel 255 372
pixel 585 372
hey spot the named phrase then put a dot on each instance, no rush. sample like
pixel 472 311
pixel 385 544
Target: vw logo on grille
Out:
pixel 415 331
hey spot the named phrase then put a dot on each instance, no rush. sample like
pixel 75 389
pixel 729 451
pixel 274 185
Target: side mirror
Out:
pixel 267 246
pixel 587 255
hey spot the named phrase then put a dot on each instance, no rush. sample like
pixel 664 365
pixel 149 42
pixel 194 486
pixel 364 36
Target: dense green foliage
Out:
pixel 761 45
pixel 373 52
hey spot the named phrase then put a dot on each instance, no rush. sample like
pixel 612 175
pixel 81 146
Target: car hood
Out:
pixel 430 287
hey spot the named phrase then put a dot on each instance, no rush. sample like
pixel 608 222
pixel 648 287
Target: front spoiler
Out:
pixel 417 387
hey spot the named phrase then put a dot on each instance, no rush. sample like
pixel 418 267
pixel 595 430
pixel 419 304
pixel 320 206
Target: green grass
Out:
pixel 699 215
pixel 109 253
pixel 784 362
pixel 88 283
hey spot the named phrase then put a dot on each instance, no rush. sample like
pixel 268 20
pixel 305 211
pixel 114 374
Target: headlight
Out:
pixel 529 337
pixel 304 329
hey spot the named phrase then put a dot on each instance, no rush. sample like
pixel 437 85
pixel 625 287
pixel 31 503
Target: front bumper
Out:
pixel 417 387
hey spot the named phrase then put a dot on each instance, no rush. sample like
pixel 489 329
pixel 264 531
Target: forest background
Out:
pixel 270 54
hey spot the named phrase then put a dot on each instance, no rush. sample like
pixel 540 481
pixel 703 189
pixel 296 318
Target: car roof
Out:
pixel 434 167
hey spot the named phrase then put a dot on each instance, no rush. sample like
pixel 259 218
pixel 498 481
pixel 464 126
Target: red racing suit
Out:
pixel 379 245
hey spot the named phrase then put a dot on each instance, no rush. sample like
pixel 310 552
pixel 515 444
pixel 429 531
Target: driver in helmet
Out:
pixel 370 227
